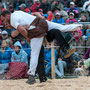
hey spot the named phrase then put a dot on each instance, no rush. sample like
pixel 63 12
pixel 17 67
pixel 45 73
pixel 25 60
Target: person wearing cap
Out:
pixel 73 9
pixel 35 6
pixel 4 34
pixel 58 18
pixel 22 7
pixel 71 19
pixel 36 30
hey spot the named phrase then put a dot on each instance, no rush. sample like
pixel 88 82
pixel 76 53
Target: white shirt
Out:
pixel 21 18
pixel 85 4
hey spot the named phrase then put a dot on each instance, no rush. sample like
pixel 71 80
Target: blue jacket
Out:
pixel 27 48
pixel 21 56
pixel 61 20
pixel 47 56
pixel 6 56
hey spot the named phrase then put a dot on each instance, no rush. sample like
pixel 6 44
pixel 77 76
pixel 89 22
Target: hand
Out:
pixel 59 59
pixel 14 58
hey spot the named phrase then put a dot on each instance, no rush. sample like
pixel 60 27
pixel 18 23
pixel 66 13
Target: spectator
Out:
pixel 35 6
pixel 62 13
pixel 29 3
pixel 17 3
pixel 5 52
pixel 56 4
pixel 41 11
pixel 45 6
pixel 18 65
pixel 27 10
pixel 71 19
pixel 84 19
pixel 11 8
pixel 26 47
pixel 47 55
pixel 50 15
pixel 4 35
pixel 73 9
pixel 19 55
pixel 86 6
pixel 58 18
pixel 78 41
pixel 22 7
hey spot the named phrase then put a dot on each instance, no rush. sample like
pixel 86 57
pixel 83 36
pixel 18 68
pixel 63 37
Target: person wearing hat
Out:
pixel 37 29
pixel 58 18
pixel 71 19
pixel 22 7
pixel 35 6
pixel 73 9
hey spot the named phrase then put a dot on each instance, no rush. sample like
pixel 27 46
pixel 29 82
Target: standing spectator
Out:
pixel 58 18
pixel 56 4
pixel 45 6
pixel 73 9
pixel 71 19
pixel 35 6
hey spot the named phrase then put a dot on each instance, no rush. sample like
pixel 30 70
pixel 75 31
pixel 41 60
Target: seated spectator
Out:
pixel 73 9
pixel 50 15
pixel 11 8
pixel 56 4
pixel 29 3
pixel 88 39
pixel 17 3
pixel 62 13
pixel 22 7
pixel 45 6
pixel 5 52
pixel 71 19
pixel 35 6
pixel 41 11
pixel 58 18
pixel 65 64
pixel 86 6
pixel 18 65
pixel 4 35
pixel 85 27
pixel 26 47
pixel 19 55
pixel 47 58
pixel 78 41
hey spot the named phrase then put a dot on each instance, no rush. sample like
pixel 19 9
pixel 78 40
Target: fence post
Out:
pixel 53 61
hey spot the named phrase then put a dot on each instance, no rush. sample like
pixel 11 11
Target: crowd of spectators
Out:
pixel 57 11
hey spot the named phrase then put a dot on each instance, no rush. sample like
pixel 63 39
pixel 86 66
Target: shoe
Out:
pixel 31 79
pixel 69 52
pixel 43 80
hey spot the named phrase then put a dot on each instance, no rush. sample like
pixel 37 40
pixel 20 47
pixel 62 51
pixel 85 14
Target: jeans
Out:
pixel 47 70
pixel 59 68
